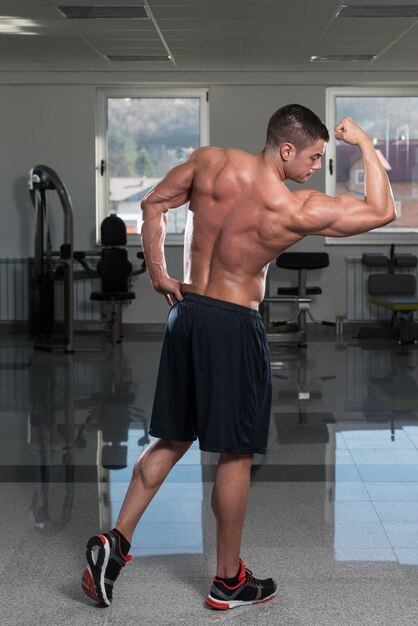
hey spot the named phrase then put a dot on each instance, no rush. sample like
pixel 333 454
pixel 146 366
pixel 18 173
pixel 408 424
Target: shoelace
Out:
pixel 251 578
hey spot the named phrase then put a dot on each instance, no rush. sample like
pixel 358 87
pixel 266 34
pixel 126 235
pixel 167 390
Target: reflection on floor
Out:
pixel 333 513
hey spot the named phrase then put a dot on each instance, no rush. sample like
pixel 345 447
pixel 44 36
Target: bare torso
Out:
pixel 242 216
pixel 239 220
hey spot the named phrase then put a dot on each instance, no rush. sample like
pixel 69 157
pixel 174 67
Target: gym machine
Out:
pixel 48 265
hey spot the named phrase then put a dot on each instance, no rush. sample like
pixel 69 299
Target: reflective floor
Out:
pixel 333 512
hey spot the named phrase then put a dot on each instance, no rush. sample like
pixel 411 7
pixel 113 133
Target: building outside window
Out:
pixel 359 175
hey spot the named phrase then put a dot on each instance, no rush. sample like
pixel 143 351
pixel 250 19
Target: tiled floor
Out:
pixel 333 513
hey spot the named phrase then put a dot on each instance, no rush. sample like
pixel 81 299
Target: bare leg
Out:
pixel 229 504
pixel 149 473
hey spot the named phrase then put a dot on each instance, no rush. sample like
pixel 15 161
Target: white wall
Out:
pixel 54 124
pixel 50 125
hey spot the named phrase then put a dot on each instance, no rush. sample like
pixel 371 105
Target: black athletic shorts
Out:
pixel 214 379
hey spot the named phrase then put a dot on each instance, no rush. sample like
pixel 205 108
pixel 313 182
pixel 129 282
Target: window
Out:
pixel 141 135
pixel 359 177
pixel 390 118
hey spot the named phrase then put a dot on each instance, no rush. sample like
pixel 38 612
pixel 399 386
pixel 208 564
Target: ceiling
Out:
pixel 205 35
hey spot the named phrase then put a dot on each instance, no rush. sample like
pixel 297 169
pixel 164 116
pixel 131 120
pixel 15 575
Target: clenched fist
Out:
pixel 348 131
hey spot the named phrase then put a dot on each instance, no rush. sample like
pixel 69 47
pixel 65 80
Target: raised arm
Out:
pixel 346 215
pixel 171 192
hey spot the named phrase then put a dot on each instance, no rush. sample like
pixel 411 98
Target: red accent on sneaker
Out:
pixel 87 584
pixel 102 539
pixel 216 605
pixel 265 600
pixel 241 577
pixel 217 580
pixel 242 573
pixel 128 557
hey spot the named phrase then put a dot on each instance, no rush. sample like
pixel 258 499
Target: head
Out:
pixel 298 137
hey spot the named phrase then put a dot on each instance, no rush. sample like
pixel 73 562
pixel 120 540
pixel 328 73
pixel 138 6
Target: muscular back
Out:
pixel 237 223
pixel 242 215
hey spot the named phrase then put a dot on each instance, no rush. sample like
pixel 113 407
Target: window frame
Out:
pixel 378 237
pixel 102 181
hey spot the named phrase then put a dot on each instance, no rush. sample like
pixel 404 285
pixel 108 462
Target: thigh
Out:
pixel 233 384
pixel 173 413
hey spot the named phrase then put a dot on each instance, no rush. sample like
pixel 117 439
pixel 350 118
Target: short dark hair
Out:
pixel 295 124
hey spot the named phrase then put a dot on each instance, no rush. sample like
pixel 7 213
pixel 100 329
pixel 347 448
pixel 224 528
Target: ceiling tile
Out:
pixel 253 35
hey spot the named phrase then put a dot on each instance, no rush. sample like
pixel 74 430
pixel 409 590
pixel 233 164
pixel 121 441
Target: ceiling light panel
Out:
pixel 333 58
pixel 119 27
pixel 18 27
pixel 371 10
pixel 103 12
pixel 121 58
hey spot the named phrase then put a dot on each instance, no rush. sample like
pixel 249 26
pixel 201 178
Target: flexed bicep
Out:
pixel 342 216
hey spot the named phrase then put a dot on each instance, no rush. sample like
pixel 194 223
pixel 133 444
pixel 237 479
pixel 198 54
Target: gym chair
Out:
pixel 295 330
pixel 115 270
pixel 393 291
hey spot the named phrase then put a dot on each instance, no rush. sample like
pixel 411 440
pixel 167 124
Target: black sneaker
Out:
pixel 105 559
pixel 249 590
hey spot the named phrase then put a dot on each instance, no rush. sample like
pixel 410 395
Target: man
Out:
pixel 214 380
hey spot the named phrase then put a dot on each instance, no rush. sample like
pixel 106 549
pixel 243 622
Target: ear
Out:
pixel 287 151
